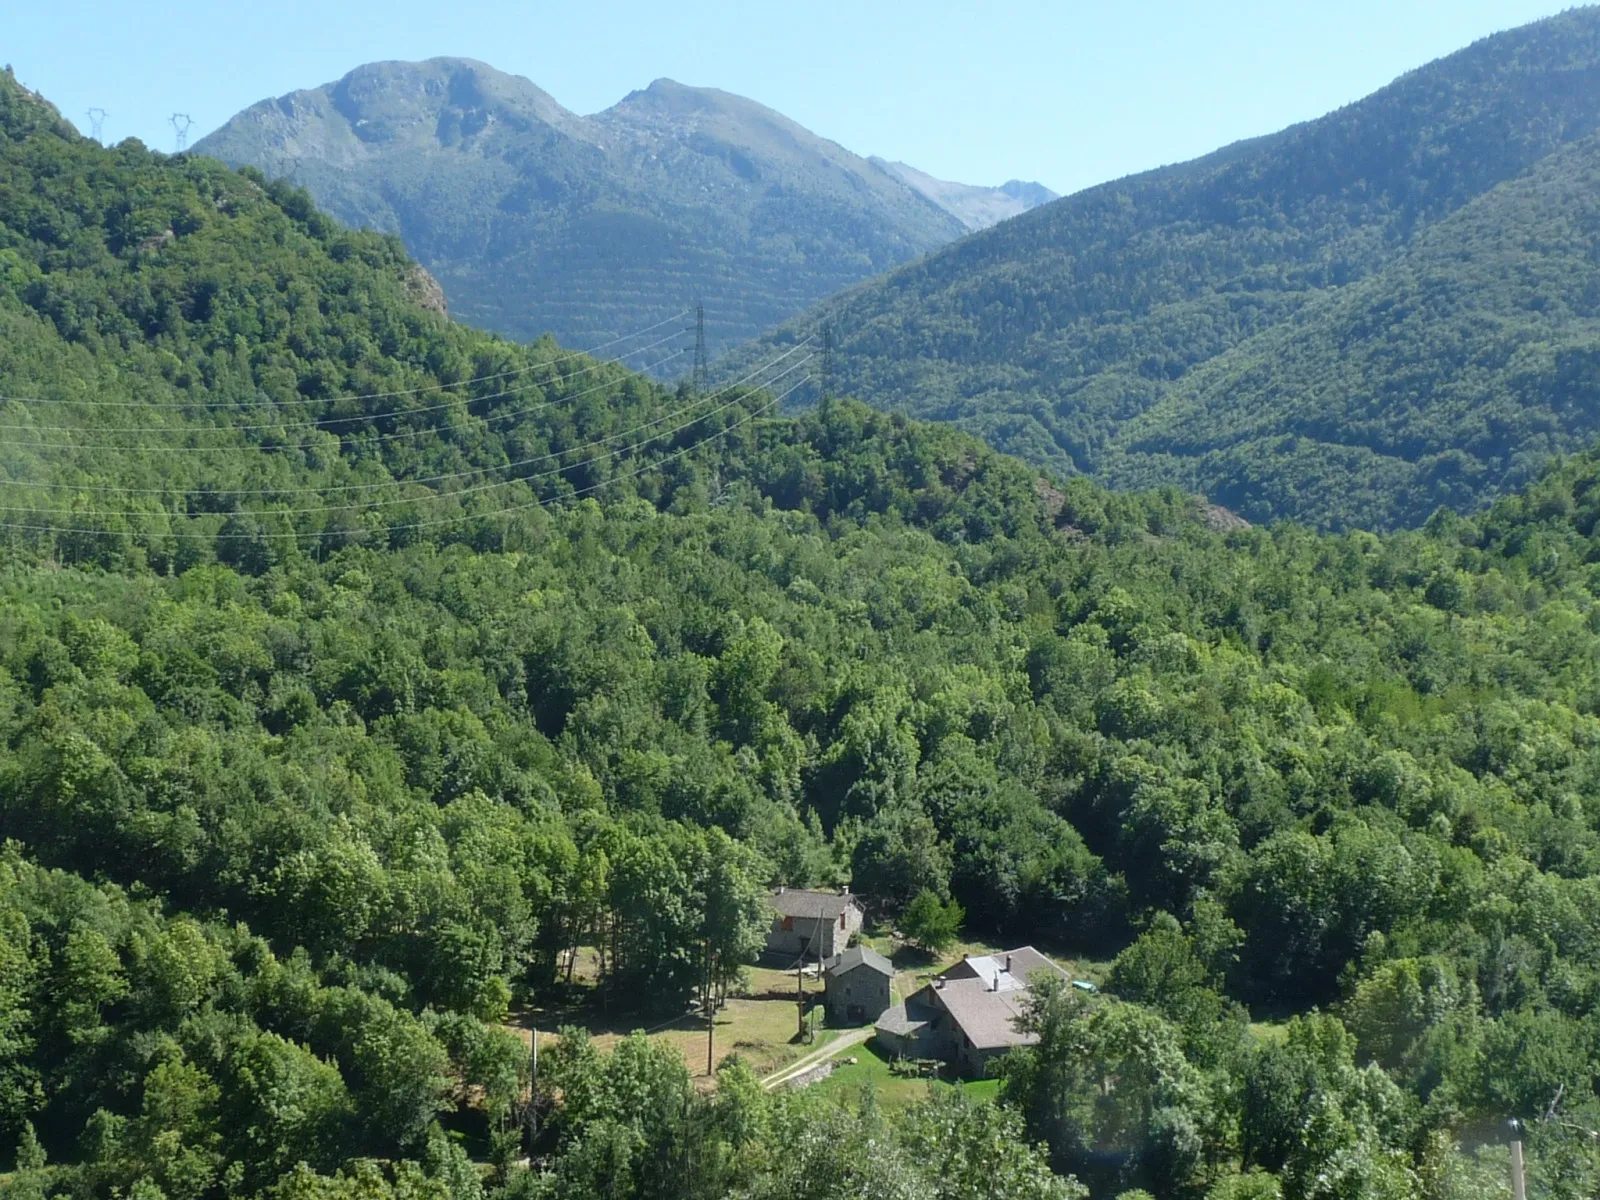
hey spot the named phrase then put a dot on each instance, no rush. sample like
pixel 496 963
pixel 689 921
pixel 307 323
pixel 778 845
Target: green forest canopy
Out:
pixel 1349 323
pixel 296 808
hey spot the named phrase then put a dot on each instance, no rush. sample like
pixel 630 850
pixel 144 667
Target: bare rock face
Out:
pixel 425 290
pixel 1051 497
pixel 975 207
pixel 1222 520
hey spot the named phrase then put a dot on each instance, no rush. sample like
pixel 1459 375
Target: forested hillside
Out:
pixel 316 766
pixel 537 220
pixel 1452 375
pixel 1054 334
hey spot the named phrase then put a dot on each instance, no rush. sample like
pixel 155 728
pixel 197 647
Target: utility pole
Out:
pixel 181 123
pixel 533 1094
pixel 799 975
pixel 711 1017
pixel 1519 1184
pixel 702 365
pixel 97 123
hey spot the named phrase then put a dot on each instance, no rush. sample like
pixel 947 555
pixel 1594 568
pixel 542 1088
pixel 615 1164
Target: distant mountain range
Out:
pixel 974 207
pixel 1350 322
pixel 536 220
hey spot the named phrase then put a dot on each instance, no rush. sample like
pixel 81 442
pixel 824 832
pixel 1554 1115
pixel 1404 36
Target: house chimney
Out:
pixel 995 986
pixel 780 889
pixel 845 890
pixel 1008 964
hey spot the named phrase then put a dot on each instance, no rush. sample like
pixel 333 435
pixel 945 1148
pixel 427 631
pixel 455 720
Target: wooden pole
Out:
pixel 533 1089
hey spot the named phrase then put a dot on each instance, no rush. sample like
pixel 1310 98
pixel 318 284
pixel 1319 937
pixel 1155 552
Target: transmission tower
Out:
pixel 181 123
pixel 702 366
pixel 97 122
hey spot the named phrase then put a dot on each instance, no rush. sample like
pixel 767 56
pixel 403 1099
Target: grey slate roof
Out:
pixel 1025 960
pixel 986 968
pixel 1011 969
pixel 898 1020
pixel 982 997
pixel 797 902
pixel 986 1017
pixel 842 964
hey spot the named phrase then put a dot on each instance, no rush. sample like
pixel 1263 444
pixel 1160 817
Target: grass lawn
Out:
pixel 1272 1033
pixel 871 1070
pixel 759 1025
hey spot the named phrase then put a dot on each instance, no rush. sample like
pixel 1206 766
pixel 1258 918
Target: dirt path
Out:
pixel 843 1042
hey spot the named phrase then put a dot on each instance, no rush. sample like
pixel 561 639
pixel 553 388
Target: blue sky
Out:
pixel 1069 93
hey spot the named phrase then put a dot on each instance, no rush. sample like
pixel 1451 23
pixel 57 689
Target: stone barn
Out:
pixel 811 925
pixel 858 986
pixel 967 1016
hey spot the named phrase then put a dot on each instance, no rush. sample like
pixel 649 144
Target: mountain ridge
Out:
pixel 974 206
pixel 536 219
pixel 1047 333
pixel 1455 373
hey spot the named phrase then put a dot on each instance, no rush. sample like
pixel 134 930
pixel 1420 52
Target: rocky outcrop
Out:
pixel 424 289
pixel 1222 520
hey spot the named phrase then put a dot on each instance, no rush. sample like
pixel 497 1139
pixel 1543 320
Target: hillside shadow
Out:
pixel 907 957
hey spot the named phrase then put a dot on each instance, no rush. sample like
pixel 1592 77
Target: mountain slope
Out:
pixel 300 813
pixel 975 207
pixel 1451 376
pixel 197 363
pixel 1048 333
pixel 536 220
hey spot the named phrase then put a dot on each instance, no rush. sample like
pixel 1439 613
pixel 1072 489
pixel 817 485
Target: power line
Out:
pixel 359 434
pixel 219 405
pixel 488 419
pixel 459 474
pixel 362 396
pixel 827 361
pixel 415 525
pixel 440 495
pixel 315 423
pixel 500 416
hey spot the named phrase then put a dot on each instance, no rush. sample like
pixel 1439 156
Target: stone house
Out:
pixel 857 986
pixel 967 1015
pixel 812 925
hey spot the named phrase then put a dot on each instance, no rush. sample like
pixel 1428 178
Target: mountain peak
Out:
pixel 670 99
pixel 412 91
pixel 527 212
pixel 974 206
pixel 1030 192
